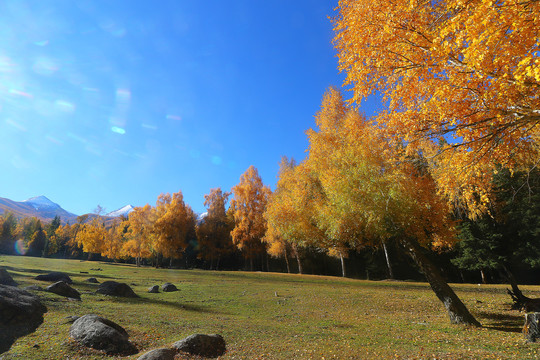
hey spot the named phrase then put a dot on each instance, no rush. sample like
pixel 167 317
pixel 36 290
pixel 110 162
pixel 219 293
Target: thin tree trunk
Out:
pixel 300 271
pixel 483 275
pixel 343 270
pixel 267 262
pixel 287 262
pixel 458 312
pixel 251 263
pixel 218 259
pixel 388 264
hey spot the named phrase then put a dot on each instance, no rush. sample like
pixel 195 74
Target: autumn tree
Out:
pixel 468 71
pixel 250 197
pixel 214 230
pixel 376 192
pixel 173 218
pixel 8 233
pixel 115 239
pixel 291 210
pixel 92 237
pixel 140 233
pixel 38 240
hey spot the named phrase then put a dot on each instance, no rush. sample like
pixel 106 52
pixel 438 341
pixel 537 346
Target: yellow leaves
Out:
pixel 474 75
pixel 250 197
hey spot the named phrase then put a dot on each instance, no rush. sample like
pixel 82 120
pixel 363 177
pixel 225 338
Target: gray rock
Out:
pixel 92 280
pixel 21 313
pixel 71 319
pixel 63 289
pixel 6 279
pixel 168 287
pixel 158 354
pixel 55 276
pixel 153 289
pixel 102 334
pixel 115 289
pixel 203 345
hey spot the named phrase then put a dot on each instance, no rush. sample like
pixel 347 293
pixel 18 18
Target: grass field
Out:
pixel 312 317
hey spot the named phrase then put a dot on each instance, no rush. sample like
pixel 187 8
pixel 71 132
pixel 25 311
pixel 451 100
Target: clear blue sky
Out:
pixel 114 102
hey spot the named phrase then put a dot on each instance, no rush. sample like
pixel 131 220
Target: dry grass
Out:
pixel 311 317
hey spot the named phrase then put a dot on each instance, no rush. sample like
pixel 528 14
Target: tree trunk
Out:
pixel 218 259
pixel 483 275
pixel 388 264
pixel 300 271
pixel 521 302
pixel 287 262
pixel 343 270
pixel 251 263
pixel 458 312
pixel 267 262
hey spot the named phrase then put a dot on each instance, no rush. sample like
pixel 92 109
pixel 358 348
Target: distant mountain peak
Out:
pixel 41 202
pixel 123 211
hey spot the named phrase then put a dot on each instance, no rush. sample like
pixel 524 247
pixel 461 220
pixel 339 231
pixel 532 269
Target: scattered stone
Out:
pixel 83 272
pixel 55 276
pixel 102 334
pixel 21 313
pixel 98 269
pixel 63 289
pixel 158 354
pixel 116 289
pixel 153 289
pixel 168 287
pixel 92 280
pixel 6 279
pixel 203 345
pixel 33 288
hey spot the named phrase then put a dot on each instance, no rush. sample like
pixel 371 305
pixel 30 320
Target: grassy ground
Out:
pixel 312 317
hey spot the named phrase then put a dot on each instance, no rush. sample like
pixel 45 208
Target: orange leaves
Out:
pixel 174 219
pixel 464 69
pixel 250 197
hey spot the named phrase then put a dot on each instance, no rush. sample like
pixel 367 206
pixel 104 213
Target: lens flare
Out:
pixel 19 247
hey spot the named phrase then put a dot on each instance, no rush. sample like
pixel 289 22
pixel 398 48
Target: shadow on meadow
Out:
pixel 502 322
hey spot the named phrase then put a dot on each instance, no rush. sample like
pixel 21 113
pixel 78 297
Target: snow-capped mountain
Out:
pixel 41 202
pixel 124 211
pixel 39 206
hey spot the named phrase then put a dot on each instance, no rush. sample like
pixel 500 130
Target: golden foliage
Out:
pixel 373 190
pixel 249 201
pixel 470 70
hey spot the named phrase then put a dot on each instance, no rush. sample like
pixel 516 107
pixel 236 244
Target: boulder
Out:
pixel 63 289
pixel 102 334
pixel 168 287
pixel 6 279
pixel 21 313
pixel 203 345
pixel 115 289
pixel 158 354
pixel 153 289
pixel 54 277
pixel 92 280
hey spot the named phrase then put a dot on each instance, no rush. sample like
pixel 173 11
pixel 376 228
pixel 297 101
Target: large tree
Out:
pixel 469 70
pixel 375 192
pixel 250 197
pixel 140 233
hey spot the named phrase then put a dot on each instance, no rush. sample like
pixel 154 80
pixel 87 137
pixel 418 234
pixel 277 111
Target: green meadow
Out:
pixel 274 316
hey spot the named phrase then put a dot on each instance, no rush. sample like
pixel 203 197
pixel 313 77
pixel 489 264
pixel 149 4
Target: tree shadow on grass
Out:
pixel 31 273
pixel 160 302
pixel 502 322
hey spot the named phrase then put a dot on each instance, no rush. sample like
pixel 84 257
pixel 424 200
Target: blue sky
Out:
pixel 114 102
